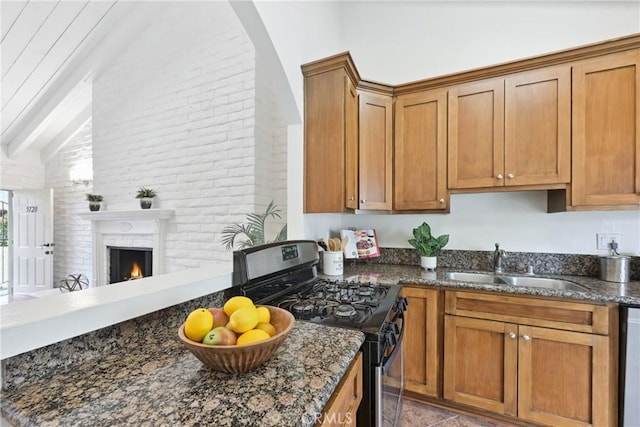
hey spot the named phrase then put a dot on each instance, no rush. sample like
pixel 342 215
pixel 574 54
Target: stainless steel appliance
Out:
pixel 630 367
pixel 285 274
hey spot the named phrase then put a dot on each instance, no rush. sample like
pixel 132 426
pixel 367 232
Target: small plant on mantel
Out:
pixel 146 196
pixel 428 246
pixel 95 201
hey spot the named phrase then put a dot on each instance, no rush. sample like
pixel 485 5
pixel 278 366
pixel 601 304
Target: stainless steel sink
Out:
pixel 536 282
pixel 542 282
pixel 474 277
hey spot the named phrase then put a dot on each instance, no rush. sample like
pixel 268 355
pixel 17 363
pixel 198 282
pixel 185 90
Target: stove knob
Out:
pixel 396 328
pixel 391 339
pixel 401 304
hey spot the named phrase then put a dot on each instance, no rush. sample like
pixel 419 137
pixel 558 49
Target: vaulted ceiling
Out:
pixel 49 53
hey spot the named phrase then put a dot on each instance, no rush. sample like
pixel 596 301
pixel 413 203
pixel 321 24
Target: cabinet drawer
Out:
pixel 573 316
pixel 342 406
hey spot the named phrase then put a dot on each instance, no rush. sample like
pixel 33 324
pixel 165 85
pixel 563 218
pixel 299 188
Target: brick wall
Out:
pixel 72 236
pixel 271 151
pixel 177 112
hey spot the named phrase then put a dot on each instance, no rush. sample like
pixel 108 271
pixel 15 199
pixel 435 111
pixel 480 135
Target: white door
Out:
pixel 32 240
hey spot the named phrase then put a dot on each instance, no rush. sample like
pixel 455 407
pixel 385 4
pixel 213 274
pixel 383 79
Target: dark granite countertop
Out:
pixel 155 381
pixel 595 290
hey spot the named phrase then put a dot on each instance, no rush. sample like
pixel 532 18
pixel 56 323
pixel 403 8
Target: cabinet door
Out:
pixel 476 135
pixel 480 363
pixel 324 159
pixel 351 145
pixel 422 338
pixel 564 378
pixel 420 151
pixel 376 145
pixel 537 137
pixel 606 131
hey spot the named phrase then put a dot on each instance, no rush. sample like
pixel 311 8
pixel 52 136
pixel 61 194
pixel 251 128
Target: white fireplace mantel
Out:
pixel 109 225
pixel 136 215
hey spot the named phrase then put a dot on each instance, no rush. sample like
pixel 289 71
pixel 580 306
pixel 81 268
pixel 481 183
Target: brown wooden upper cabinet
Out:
pixel 331 136
pixel 375 151
pixel 513 131
pixel 420 152
pixel 606 131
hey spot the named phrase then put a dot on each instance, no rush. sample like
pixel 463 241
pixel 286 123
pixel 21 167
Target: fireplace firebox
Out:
pixel 129 263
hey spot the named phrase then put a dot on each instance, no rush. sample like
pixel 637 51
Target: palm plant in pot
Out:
pixel 95 201
pixel 146 196
pixel 252 233
pixel 427 245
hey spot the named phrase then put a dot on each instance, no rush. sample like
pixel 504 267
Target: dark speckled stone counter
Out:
pixel 155 381
pixel 595 290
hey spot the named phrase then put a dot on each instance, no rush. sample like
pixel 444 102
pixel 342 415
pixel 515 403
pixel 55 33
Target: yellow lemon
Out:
pixel 243 319
pixel 235 303
pixel 263 315
pixel 199 322
pixel 268 328
pixel 254 335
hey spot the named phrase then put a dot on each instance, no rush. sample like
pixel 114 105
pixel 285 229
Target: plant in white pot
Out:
pixel 95 201
pixel 427 245
pixel 146 196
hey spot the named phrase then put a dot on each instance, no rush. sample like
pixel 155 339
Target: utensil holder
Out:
pixel 332 263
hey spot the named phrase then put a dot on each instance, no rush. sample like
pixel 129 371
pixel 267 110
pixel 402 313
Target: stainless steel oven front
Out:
pixel 389 381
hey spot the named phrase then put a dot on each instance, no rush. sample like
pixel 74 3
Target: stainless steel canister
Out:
pixel 614 268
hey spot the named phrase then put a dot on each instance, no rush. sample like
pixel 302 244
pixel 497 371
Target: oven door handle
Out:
pixel 388 361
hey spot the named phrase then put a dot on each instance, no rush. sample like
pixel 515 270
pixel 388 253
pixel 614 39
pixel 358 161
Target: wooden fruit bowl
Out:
pixel 242 358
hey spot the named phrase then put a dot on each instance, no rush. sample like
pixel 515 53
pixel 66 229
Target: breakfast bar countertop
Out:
pixel 156 381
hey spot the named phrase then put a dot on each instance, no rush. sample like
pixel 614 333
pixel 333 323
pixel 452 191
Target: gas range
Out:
pixel 296 287
pixel 284 274
pixel 344 302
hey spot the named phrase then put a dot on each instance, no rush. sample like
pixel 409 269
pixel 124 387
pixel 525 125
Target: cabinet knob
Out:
pixel 526 337
pixel 512 335
pixel 352 198
pixel 499 176
pixel 511 176
pixel 363 201
pixel 442 201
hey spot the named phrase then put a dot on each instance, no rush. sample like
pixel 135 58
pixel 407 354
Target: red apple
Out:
pixel 220 318
pixel 220 336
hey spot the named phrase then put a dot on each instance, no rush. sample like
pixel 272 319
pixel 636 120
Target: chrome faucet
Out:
pixel 498 256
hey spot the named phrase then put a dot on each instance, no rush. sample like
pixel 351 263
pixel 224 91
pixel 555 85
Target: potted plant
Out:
pixel 95 201
pixel 254 230
pixel 428 246
pixel 146 196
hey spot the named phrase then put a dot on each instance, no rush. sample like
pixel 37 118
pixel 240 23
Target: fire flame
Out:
pixel 136 272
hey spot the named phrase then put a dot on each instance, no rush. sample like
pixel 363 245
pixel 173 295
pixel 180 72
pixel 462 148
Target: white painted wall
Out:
pixel 22 172
pixel 397 42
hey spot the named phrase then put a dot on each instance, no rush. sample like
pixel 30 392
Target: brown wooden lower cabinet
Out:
pixel 343 405
pixel 511 366
pixel 422 342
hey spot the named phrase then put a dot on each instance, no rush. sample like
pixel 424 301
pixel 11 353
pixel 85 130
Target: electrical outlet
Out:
pixel 603 240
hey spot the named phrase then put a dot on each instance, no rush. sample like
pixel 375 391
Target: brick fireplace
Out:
pixel 140 234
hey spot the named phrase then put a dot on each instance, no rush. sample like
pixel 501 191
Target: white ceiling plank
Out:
pixel 131 18
pixel 73 127
pixel 30 135
pixel 9 11
pixel 35 52
pixel 24 29
pixel 61 53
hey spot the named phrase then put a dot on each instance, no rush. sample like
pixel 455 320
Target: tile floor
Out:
pixel 415 414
